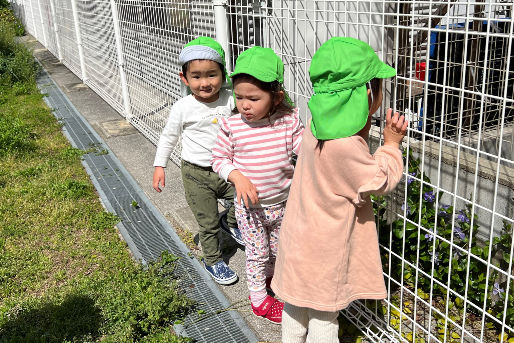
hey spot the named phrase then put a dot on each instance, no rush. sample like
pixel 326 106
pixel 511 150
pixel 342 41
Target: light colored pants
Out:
pixel 305 325
pixel 260 229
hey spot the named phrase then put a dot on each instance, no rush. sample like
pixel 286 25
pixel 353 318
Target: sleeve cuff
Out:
pixel 160 161
pixel 225 171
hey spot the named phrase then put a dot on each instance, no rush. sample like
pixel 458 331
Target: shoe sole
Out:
pixel 225 282
pixel 269 320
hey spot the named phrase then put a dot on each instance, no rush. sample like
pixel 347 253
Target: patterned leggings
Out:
pixel 260 229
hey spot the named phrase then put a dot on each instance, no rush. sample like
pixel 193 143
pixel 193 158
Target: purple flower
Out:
pixel 457 254
pixel 462 217
pixel 497 290
pixel 408 209
pixel 458 232
pixel 435 257
pixel 429 236
pixel 429 196
pixel 443 209
pixel 410 179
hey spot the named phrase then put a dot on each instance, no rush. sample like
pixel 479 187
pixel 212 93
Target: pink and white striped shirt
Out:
pixel 260 151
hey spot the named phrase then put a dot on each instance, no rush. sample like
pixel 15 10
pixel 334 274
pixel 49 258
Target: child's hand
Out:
pixel 158 178
pixel 396 127
pixel 245 189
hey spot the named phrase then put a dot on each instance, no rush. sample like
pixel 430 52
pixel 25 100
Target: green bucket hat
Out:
pixel 339 71
pixel 202 48
pixel 261 63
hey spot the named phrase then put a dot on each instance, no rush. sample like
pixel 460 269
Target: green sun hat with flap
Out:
pixel 339 71
pixel 263 64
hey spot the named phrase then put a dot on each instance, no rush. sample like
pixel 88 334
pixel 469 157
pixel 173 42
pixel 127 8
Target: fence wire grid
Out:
pixel 446 233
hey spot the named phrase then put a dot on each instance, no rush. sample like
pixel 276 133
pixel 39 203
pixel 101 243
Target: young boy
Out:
pixel 195 119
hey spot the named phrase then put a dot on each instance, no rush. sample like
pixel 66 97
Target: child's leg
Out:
pixel 274 214
pixel 250 222
pixel 294 324
pixel 227 193
pixel 201 198
pixel 323 327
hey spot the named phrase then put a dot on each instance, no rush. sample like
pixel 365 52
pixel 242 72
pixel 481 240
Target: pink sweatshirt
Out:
pixel 328 253
pixel 260 151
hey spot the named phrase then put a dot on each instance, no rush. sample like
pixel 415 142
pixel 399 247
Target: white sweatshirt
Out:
pixel 197 123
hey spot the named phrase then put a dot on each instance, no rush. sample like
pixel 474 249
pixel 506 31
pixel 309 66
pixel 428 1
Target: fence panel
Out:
pixel 446 233
pixel 67 35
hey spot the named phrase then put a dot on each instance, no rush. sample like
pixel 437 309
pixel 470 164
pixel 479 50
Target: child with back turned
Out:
pixel 328 250
pixel 194 118
pixel 254 151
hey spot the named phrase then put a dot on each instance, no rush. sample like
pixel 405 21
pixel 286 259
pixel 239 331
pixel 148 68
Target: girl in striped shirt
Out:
pixel 254 151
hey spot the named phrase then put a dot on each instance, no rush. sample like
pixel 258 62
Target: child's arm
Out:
pixel 167 142
pixel 297 132
pixel 245 189
pixel 361 173
pixel 221 161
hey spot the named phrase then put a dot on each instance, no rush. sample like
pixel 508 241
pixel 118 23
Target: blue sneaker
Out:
pixel 221 273
pixel 234 232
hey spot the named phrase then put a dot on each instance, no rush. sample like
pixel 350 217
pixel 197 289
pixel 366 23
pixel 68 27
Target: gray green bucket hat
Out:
pixel 339 71
pixel 202 48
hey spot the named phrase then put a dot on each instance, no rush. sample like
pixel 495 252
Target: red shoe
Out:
pixel 270 309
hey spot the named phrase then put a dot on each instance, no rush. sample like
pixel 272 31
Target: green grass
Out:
pixel 65 275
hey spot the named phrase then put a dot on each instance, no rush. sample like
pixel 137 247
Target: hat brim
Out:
pixel 199 52
pixel 385 72
pixel 259 76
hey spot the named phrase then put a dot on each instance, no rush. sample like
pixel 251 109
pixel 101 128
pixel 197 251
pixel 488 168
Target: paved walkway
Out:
pixel 136 154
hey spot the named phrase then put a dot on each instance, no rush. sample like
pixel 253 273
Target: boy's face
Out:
pixel 204 78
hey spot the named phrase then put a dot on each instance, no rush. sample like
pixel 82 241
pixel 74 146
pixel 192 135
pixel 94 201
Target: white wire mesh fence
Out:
pixel 446 234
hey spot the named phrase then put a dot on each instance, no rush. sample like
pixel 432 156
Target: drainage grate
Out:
pixel 145 230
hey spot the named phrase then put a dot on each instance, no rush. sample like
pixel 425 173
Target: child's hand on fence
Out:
pixel 396 128
pixel 158 178
pixel 245 189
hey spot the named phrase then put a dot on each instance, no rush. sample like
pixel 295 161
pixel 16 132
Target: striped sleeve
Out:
pixel 297 131
pixel 223 151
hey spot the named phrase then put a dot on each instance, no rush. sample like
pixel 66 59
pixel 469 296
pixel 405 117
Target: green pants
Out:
pixel 203 187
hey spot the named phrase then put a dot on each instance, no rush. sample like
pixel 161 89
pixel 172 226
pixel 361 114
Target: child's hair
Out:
pixel 222 68
pixel 376 87
pixel 273 88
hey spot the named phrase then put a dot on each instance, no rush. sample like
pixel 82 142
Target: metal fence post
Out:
pixel 34 32
pixel 56 29
pixel 121 61
pixel 220 18
pixel 45 41
pixel 78 37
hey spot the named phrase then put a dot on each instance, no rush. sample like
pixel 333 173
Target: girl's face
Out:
pixel 204 78
pixel 252 102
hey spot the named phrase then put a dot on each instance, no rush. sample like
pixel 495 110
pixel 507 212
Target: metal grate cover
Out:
pixel 145 230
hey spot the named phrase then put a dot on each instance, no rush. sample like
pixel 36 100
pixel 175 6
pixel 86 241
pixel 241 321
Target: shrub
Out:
pixel 6 15
pixel 426 246
pixel 17 65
